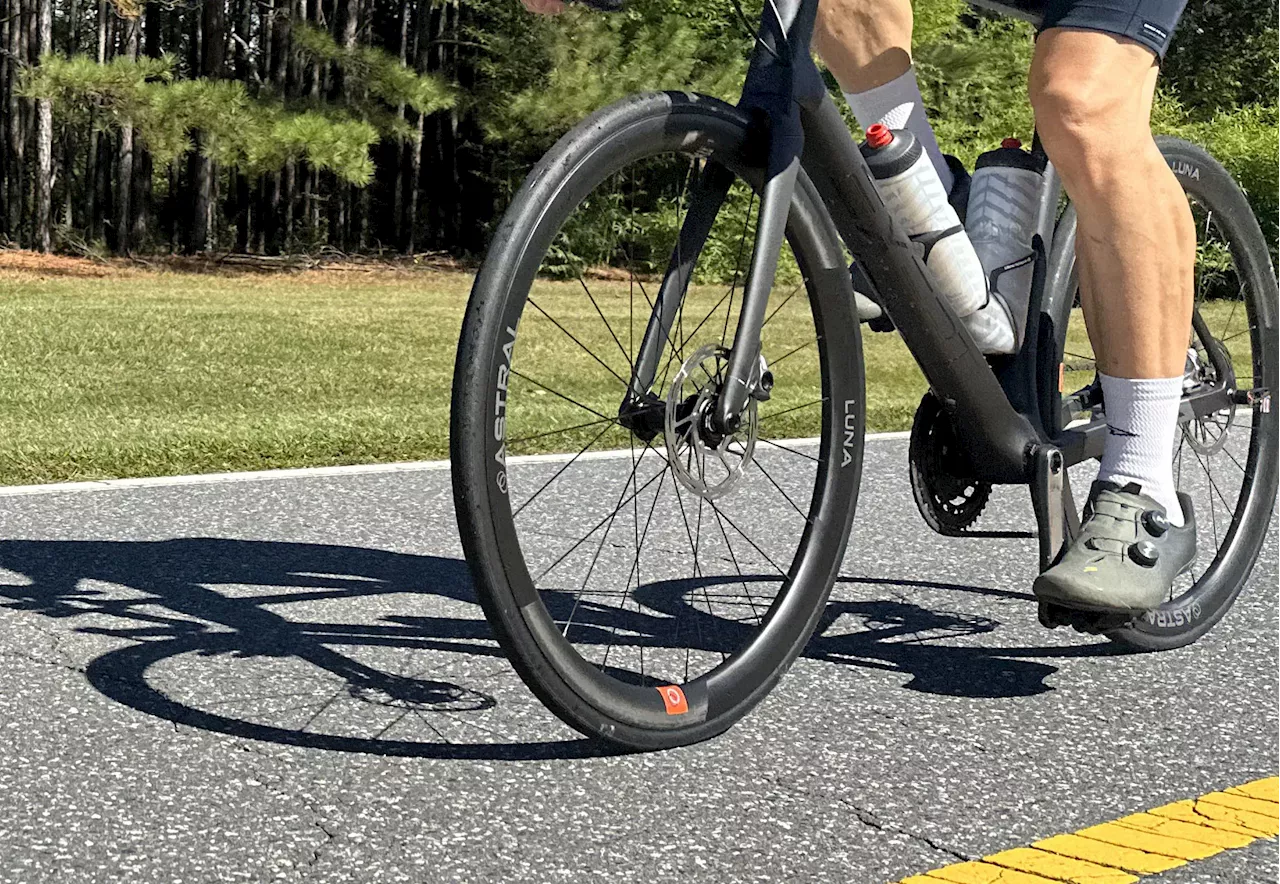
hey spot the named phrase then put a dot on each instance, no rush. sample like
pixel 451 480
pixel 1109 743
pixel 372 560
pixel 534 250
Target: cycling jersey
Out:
pixel 1150 22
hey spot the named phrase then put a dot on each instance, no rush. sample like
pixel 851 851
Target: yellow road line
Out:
pixel 1122 851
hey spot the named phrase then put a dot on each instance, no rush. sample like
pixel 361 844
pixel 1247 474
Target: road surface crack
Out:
pixel 30 657
pixel 868 818
pixel 329 837
pixel 871 820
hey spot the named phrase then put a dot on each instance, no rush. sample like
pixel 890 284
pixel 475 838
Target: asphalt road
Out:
pixel 187 697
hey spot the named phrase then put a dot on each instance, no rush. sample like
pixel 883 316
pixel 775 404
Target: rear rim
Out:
pixel 1225 461
pixel 634 574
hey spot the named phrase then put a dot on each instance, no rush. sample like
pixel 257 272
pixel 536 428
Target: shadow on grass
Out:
pixel 205 641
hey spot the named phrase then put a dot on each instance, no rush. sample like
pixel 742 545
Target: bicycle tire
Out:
pixel 593 698
pixel 1209 590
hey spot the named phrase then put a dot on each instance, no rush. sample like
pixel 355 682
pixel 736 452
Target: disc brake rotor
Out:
pixel 706 462
pixel 1206 434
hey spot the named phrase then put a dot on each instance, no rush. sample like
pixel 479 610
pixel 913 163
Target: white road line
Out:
pixel 420 466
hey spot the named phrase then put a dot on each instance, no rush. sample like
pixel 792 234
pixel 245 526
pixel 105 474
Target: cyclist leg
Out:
pixel 1092 91
pixel 866 44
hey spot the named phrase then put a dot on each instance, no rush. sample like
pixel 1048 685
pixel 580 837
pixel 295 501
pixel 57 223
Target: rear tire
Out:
pixel 536 617
pixel 1233 487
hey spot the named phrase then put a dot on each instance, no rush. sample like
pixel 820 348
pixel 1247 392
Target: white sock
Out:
pixel 899 105
pixel 1142 417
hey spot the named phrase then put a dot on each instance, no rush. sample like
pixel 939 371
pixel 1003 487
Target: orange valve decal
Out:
pixel 674 699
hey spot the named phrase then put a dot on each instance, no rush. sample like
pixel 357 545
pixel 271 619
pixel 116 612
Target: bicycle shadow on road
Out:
pixel 201 641
pixel 195 605
pixel 904 637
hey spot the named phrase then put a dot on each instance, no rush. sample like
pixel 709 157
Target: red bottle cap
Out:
pixel 1011 142
pixel 879 135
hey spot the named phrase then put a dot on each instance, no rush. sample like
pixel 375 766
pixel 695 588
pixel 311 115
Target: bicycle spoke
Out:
pixel 1232 457
pixel 745 537
pixel 784 494
pixel 607 326
pixel 606 367
pixel 595 558
pixel 791 295
pixel 593 530
pixel 559 472
pixel 787 449
pixel 736 567
pixel 696 575
pixel 1238 334
pixel 606 420
pixel 568 399
pixel 792 352
pixel 774 414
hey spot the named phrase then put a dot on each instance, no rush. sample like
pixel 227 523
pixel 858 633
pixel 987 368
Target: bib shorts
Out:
pixel 1149 22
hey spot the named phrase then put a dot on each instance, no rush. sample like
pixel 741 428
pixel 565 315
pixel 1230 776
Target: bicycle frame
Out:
pixel 784 89
pixel 1006 411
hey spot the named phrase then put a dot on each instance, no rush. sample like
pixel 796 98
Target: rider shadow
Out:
pixel 177 602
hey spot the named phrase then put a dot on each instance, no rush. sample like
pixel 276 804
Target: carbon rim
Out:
pixel 625 581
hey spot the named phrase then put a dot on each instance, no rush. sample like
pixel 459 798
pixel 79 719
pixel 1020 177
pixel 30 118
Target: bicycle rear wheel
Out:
pixel 651 585
pixel 1226 461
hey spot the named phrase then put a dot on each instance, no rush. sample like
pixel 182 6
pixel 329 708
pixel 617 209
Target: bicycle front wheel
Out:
pixel 648 582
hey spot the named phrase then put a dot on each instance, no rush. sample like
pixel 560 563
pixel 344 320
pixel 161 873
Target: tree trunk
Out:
pixel 212 53
pixel 243 200
pixel 124 168
pixel 140 196
pixel 289 190
pixel 17 133
pixel 73 31
pixel 6 89
pixel 397 212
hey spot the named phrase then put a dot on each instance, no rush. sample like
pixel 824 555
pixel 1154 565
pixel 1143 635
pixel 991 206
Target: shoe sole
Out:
pixel 1098 609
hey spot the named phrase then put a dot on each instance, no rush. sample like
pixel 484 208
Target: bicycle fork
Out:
pixel 743 374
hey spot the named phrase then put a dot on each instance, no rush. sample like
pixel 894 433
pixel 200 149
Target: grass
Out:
pixel 141 373
pixel 152 373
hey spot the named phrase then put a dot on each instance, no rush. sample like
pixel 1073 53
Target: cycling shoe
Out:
pixel 1126 556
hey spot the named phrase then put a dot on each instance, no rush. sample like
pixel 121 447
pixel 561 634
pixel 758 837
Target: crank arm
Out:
pixel 1056 518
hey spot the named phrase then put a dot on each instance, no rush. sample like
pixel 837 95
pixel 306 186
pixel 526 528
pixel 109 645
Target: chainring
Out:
pixel 948 501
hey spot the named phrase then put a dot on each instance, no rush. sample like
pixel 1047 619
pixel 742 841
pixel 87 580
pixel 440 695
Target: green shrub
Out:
pixel 1246 141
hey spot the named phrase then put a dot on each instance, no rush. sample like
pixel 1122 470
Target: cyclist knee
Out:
pixel 1092 100
pixel 1088 132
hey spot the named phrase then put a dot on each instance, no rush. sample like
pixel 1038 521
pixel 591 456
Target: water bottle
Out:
pixel 913 193
pixel 1003 206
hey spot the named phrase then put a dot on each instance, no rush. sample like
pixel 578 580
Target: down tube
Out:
pixel 999 439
